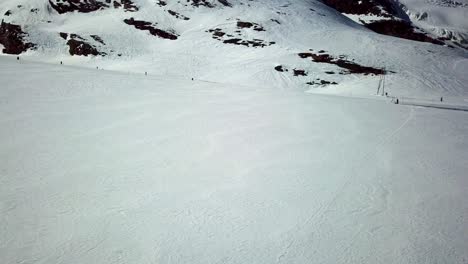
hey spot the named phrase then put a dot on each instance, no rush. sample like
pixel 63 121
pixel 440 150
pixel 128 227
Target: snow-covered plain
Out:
pixel 107 167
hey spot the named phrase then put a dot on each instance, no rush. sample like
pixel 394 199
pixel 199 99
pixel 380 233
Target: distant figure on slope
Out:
pixel 17 58
pixel 397 101
pixel 441 99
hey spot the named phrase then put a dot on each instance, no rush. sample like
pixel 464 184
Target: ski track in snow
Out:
pixel 104 167
pixel 320 214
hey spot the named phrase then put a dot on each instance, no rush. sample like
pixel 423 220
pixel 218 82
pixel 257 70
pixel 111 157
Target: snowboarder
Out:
pixel 397 101
pixel 61 63
pixel 441 99
pixel 17 58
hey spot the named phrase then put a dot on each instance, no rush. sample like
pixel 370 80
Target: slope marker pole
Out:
pixel 383 81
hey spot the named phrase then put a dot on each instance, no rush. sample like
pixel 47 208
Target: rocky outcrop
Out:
pixel 349 66
pixel 82 6
pixel 206 3
pixel 13 40
pixel 127 5
pixel 79 46
pixel 150 27
pixel 242 35
pixel 177 15
pixel 400 29
pixel 254 26
pixel 88 6
pixel 225 3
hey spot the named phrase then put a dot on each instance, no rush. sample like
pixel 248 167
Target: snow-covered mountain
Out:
pixel 255 136
pixel 444 18
pixel 249 42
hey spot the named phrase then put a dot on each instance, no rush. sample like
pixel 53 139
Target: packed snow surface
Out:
pixel 294 27
pixel 107 167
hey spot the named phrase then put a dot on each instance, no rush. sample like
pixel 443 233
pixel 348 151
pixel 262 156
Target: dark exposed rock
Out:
pixel 321 83
pixel 276 21
pixel 225 3
pixel 400 29
pixel 98 39
pixel 76 36
pixel 248 43
pixel 87 6
pixel 177 15
pixel 79 46
pixel 298 72
pixel 255 26
pixel 219 35
pixel 241 24
pixel 13 40
pixel 128 5
pixel 82 6
pixel 8 13
pixel 280 68
pixel 198 3
pixel 148 26
pixel 63 35
pixel 233 41
pixel 350 66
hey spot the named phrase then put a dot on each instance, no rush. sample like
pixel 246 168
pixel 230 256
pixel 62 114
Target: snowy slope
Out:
pixel 419 69
pixel 110 167
pixel 246 163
